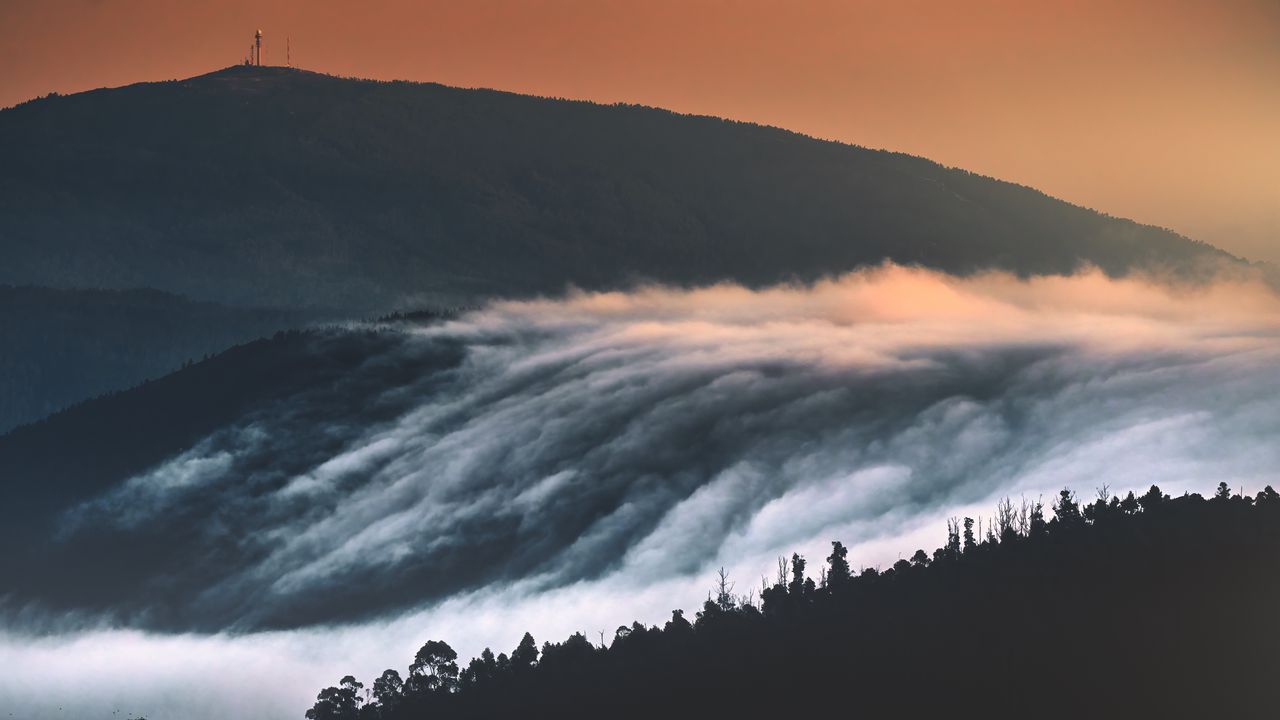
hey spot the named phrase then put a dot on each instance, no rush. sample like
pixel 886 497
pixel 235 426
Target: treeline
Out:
pixel 1138 606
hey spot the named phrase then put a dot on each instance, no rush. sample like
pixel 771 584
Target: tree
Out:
pixel 920 559
pixel 434 668
pixel 1038 527
pixel 1103 507
pixel 576 652
pixel 1066 510
pixel 525 656
pixel 952 548
pixel 797 586
pixel 481 670
pixel 724 592
pixel 388 690
pixel 338 703
pixel 1006 524
pixel 678 625
pixel 1223 493
pixel 838 565
pixel 969 542
pixel 1151 499
pixel 1129 505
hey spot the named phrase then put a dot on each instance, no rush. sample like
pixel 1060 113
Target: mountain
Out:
pixel 58 347
pixel 275 186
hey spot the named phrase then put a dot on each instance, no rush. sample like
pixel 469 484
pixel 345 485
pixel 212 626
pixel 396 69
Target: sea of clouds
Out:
pixel 591 460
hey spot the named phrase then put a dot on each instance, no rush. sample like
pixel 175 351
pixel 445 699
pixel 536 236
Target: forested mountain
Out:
pixel 283 187
pixel 1145 606
pixel 274 187
pixel 58 347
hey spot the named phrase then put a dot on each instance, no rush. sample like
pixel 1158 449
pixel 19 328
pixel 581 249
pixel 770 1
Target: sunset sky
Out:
pixel 1166 111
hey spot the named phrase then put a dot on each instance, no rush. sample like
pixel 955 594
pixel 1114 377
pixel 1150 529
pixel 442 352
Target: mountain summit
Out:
pixel 269 185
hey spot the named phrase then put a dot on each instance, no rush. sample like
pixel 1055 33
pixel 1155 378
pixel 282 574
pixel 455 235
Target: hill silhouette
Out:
pixel 1137 607
pixel 277 186
pixel 63 346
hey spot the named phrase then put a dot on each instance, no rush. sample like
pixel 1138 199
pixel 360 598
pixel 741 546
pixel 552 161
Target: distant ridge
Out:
pixel 272 185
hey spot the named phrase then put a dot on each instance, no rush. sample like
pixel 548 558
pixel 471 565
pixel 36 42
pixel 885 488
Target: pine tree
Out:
pixel 525 656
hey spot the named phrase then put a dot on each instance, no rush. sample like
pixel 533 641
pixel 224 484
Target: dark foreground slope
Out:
pixel 58 347
pixel 1141 607
pixel 283 187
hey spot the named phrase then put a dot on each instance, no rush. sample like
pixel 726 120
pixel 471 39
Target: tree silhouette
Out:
pixel 525 656
pixel 338 703
pixel 838 565
pixel 1066 511
pixel 1037 527
pixel 1151 499
pixel 952 548
pixel 1268 496
pixel 388 690
pixel 434 669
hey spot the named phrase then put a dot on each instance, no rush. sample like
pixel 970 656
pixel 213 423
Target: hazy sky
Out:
pixel 1166 111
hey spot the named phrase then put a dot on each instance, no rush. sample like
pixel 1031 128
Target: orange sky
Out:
pixel 1166 111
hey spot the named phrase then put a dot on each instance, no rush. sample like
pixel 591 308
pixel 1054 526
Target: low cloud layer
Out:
pixel 589 460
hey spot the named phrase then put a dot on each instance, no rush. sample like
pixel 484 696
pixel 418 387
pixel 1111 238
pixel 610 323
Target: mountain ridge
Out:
pixel 279 186
pixel 63 346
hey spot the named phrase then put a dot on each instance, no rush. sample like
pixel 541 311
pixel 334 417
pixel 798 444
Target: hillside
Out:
pixel 284 187
pixel 85 451
pixel 62 346
pixel 1145 606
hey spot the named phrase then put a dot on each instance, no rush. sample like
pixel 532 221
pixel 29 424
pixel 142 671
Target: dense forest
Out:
pixel 275 186
pixel 58 347
pixel 1141 606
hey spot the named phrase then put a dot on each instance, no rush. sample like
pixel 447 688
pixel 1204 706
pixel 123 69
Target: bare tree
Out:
pixel 724 591
pixel 1024 517
pixel 1006 518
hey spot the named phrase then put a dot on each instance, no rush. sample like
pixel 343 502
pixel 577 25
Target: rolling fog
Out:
pixel 591 461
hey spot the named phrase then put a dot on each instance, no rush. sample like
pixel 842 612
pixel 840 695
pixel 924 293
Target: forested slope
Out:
pixel 1145 606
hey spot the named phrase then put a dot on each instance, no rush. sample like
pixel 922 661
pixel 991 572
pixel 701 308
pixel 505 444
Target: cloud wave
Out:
pixel 589 450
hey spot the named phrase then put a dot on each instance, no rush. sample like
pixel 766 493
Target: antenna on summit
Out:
pixel 288 52
pixel 257 47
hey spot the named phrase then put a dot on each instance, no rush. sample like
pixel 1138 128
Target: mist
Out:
pixel 583 462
